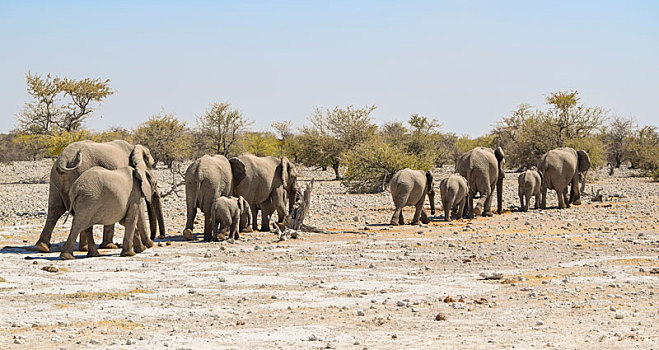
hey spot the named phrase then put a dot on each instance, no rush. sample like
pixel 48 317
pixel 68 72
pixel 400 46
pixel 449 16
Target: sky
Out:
pixel 465 63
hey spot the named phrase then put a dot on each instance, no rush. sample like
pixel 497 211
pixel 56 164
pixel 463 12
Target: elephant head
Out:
pixel 583 164
pixel 289 180
pixel 143 162
pixel 501 161
pixel 430 190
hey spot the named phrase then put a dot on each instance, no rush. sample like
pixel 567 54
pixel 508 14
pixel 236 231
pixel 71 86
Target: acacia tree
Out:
pixel 616 136
pixel 40 115
pixel 82 93
pixel 333 132
pixel 165 136
pixel 285 132
pixel 219 127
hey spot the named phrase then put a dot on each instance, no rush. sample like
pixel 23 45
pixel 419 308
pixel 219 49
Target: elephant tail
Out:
pixel 69 166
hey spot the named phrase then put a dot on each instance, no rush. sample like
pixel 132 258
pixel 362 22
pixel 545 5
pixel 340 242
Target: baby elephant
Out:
pixel 104 197
pixel 454 192
pixel 409 187
pixel 230 213
pixel 530 183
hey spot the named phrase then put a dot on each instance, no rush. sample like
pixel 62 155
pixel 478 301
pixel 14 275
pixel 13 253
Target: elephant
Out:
pixel 409 188
pixel 102 196
pixel 562 167
pixel 205 179
pixel 74 160
pixel 267 184
pixel 483 169
pixel 230 213
pixel 529 183
pixel 454 192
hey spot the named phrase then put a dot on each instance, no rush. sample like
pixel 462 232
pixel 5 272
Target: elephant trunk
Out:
pixel 583 182
pixel 292 197
pixel 157 211
pixel 152 219
pixel 500 194
pixel 431 198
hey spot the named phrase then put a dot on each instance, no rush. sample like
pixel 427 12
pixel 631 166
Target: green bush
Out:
pixel 371 164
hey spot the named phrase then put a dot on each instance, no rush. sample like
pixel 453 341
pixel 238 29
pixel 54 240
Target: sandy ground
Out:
pixel 584 277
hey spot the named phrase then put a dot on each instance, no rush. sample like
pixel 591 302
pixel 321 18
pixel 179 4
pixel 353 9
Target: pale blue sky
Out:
pixel 466 63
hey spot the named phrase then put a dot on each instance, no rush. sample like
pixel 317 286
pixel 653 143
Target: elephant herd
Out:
pixel 106 183
pixel 478 173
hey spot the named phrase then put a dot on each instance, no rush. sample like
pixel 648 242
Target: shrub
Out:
pixel 166 137
pixel 371 164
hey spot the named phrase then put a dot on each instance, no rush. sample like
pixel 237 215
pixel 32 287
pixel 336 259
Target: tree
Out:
pixel 82 93
pixel 371 164
pixel 616 137
pixel 643 150
pixel 285 132
pixel 332 133
pixel 166 137
pixel 39 116
pixel 260 144
pixel 571 119
pixel 221 126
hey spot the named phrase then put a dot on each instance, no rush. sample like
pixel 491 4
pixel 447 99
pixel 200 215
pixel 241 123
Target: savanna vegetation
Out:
pixel 361 153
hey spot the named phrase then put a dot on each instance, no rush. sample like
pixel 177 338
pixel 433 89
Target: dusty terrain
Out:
pixel 584 277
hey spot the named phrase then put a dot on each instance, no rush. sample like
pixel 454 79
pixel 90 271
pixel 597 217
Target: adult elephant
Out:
pixel 483 169
pixel 268 183
pixel 74 160
pixel 205 179
pixel 562 167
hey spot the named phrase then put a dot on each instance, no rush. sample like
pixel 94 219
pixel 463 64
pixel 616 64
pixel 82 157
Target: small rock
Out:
pixel 51 269
pixel 619 316
pixel 440 317
pixel 313 337
pixel 539 323
pixel 360 312
pixel 208 254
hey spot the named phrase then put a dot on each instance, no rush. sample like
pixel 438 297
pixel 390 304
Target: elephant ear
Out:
pixel 142 172
pixel 429 180
pixel 584 161
pixel 288 173
pixel 237 170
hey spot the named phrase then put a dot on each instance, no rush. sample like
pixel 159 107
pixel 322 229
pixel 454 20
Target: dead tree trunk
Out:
pixel 301 208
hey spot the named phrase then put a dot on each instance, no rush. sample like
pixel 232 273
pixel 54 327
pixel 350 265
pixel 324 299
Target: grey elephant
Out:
pixel 269 182
pixel 230 213
pixel 74 160
pixel 105 197
pixel 409 188
pixel 529 185
pixel 454 193
pixel 483 169
pixel 205 179
pixel 562 167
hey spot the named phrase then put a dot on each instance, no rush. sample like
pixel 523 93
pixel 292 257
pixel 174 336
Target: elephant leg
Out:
pixel 470 206
pixel 56 209
pixel 424 217
pixel 141 229
pixel 487 206
pixel 417 213
pixel 151 214
pixel 397 217
pixel 543 196
pixel 233 233
pixel 67 249
pixel 108 236
pixel 255 213
pixel 266 212
pixel 82 245
pixel 521 202
pixel 566 199
pixel 191 212
pixel 537 201
pixel 130 223
pixel 561 198
pixel 208 227
pixel 574 193
pixel 461 208
pixel 481 203
pixel 447 211
pixel 92 251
